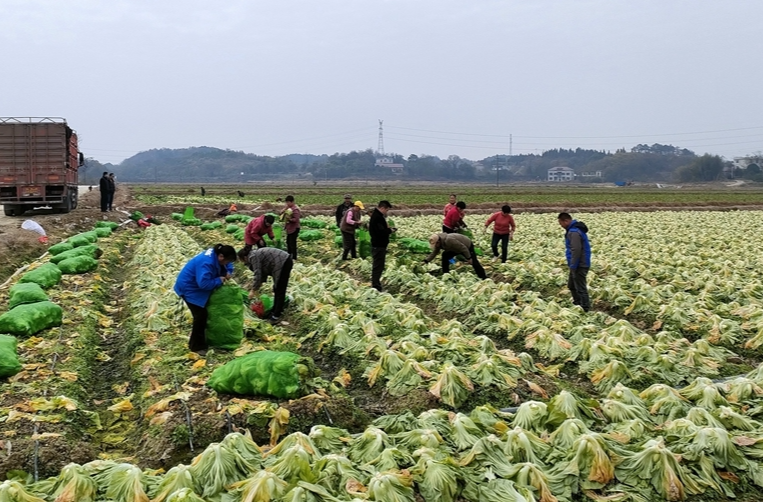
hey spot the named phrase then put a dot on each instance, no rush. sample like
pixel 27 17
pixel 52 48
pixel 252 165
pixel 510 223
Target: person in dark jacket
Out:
pixel 112 190
pixel 380 232
pixel 204 273
pixel 341 208
pixel 578 252
pixel 272 262
pixel 451 246
pixel 104 187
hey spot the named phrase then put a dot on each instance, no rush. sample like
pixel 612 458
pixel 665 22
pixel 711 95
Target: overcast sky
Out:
pixel 447 77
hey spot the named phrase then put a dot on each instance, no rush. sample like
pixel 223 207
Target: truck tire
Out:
pixel 10 210
pixel 75 198
pixel 66 207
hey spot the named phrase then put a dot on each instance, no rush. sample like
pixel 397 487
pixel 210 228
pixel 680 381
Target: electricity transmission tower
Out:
pixel 380 148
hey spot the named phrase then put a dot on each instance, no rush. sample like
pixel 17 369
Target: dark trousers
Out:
pixel 104 201
pixel 504 239
pixel 379 258
pixel 279 289
pixel 447 255
pixel 291 244
pixel 348 245
pixel 448 230
pixel 110 200
pixel 198 340
pixel 577 286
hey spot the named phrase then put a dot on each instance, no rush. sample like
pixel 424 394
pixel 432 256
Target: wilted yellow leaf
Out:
pixel 199 364
pixel 138 356
pixel 161 418
pixel 45 435
pixel 278 424
pixel 122 406
pixel 121 388
pixel 68 375
pixel 343 378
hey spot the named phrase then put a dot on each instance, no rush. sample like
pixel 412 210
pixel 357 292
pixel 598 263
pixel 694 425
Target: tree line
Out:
pixel 207 164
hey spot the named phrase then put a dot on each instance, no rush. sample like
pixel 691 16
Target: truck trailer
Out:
pixel 39 163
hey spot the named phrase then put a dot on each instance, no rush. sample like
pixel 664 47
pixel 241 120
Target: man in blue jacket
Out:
pixel 204 273
pixel 578 251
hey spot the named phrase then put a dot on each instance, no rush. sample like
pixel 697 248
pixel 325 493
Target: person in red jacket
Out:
pixel 503 231
pixel 454 220
pixel 450 205
pixel 262 225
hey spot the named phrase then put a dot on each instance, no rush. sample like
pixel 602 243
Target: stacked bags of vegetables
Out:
pixel 9 359
pixel 264 373
pixel 31 311
pixel 312 223
pixel 225 324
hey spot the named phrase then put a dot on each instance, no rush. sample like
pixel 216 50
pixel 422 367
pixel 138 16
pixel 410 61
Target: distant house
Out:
pixel 592 174
pixel 387 163
pixel 561 173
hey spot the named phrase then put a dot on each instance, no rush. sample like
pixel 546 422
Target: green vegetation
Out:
pixel 516 196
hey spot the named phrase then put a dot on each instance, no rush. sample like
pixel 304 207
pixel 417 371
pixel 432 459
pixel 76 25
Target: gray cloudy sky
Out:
pixel 446 76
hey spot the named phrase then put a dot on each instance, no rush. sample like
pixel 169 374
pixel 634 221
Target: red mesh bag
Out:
pixel 258 308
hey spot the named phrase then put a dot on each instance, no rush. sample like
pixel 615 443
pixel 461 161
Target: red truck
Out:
pixel 39 162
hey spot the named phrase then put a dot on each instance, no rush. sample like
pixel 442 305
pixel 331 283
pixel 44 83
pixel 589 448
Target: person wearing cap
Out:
pixel 350 222
pixel 380 232
pixel 451 246
pixel 341 208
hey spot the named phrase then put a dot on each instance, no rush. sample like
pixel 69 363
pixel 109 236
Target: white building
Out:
pixel 387 163
pixel 561 173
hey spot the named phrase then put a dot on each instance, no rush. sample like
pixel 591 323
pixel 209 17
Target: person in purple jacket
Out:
pixel 203 273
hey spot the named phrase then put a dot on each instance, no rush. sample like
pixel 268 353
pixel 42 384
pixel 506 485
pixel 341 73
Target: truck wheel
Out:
pixel 66 206
pixel 75 199
pixel 13 210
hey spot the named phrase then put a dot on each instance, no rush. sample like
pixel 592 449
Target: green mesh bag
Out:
pixel 312 223
pixel 90 250
pixel 243 218
pixel 232 228
pixel 136 215
pixel 78 265
pixel 338 241
pixel 26 292
pixel 83 239
pixel 211 225
pixel 263 373
pixel 107 224
pixel 176 216
pixel 225 323
pixel 277 241
pixel 46 275
pixel 189 219
pixel 415 245
pixel 9 359
pixel 31 318
pixel 102 232
pixel 239 234
pixel 310 235
pixel 364 243
pixel 59 248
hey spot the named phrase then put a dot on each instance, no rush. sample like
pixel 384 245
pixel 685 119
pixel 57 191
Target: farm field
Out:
pixel 432 196
pixel 443 388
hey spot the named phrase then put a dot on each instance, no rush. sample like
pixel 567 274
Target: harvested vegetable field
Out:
pixel 442 388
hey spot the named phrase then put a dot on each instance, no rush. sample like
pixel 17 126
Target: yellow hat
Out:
pixel 359 204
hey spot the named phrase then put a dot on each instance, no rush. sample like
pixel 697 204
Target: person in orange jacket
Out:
pixel 503 231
